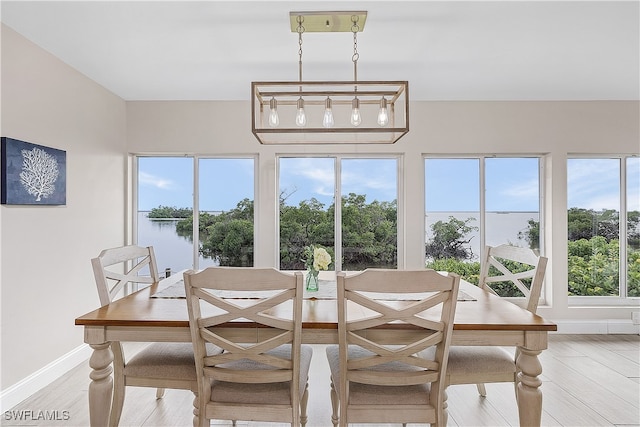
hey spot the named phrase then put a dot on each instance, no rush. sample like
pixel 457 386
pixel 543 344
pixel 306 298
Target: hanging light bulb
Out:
pixel 327 120
pixel 356 119
pixel 383 113
pixel 274 120
pixel 301 117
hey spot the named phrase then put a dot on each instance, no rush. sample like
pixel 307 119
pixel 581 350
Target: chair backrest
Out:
pixel 533 264
pixel 362 309
pixel 116 267
pixel 262 289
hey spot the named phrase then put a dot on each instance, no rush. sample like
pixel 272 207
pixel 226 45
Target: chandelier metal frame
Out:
pixel 329 112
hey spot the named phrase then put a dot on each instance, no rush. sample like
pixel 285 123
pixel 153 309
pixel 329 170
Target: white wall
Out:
pixel 554 129
pixel 45 271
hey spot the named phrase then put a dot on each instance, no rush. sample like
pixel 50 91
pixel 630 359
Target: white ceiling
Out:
pixel 453 50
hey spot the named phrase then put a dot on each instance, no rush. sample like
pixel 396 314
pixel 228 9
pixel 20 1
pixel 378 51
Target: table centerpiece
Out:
pixel 316 258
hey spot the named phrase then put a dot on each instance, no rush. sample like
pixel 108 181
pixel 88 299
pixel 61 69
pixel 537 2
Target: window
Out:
pixel 597 191
pixel 369 217
pixel 165 204
pixel 165 197
pixel 361 232
pixel 225 201
pixel 461 218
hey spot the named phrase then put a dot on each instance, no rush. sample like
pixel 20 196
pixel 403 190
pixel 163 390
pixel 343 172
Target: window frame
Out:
pixel 622 299
pixel 482 204
pixel 338 157
pixel 195 197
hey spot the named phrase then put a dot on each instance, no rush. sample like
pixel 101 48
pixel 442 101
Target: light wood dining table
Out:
pixel 481 319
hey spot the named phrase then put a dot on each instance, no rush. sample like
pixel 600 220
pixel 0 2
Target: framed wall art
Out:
pixel 32 174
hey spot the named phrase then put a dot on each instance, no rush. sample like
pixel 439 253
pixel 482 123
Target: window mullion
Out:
pixel 196 213
pixel 622 239
pixel 482 193
pixel 337 194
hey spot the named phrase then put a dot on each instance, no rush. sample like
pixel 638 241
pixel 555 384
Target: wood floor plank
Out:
pixel 580 388
pixel 468 409
pixel 621 341
pixel 559 345
pixel 567 410
pixel 607 378
pixel 632 355
pixel 610 406
pixel 607 356
pixel 174 409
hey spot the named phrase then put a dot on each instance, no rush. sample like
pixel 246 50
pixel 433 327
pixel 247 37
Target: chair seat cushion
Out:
pixel 166 360
pixel 366 394
pixel 262 393
pixel 468 360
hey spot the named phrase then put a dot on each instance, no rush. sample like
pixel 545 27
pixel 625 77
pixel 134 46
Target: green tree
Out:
pixel 369 233
pixel 230 242
pixel 303 225
pixel 449 239
pixel 594 267
pixel 168 212
pixel 593 251
pixel 469 271
pixel 587 223
pixel 633 229
pixel 226 236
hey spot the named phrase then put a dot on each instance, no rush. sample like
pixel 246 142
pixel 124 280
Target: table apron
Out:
pixel 534 340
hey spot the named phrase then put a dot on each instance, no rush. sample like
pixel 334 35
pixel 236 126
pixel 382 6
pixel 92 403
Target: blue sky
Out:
pixel 451 184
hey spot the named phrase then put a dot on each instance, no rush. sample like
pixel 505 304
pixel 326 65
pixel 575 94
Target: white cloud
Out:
pixel 527 190
pixel 149 180
pixel 593 183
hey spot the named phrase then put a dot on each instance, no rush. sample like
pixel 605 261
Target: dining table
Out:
pixel 158 313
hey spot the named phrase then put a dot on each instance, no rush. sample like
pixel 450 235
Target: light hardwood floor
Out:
pixel 588 380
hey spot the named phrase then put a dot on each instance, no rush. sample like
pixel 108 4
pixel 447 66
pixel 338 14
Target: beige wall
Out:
pixel 45 274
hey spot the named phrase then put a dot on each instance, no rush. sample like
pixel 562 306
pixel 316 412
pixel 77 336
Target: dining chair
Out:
pixel 480 365
pixel 262 380
pixel 376 381
pixel 158 365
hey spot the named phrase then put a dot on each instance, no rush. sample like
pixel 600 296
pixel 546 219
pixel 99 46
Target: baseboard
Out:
pixel 18 392
pixel 603 326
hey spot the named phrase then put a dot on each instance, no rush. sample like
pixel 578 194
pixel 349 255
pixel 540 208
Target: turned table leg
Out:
pixel 529 395
pixel 101 387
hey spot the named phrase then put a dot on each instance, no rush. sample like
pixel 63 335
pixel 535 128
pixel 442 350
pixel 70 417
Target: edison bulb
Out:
pixel 301 117
pixel 274 120
pixel 356 119
pixel 327 119
pixel 383 113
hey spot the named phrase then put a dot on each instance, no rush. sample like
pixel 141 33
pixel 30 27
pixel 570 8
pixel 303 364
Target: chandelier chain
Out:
pixel 300 30
pixel 355 28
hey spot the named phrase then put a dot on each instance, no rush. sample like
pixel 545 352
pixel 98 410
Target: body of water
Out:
pixel 172 251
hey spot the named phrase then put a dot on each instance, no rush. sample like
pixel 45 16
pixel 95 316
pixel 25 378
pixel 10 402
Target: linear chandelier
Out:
pixel 329 112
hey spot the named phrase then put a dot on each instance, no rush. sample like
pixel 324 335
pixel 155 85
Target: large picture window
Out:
pixel 361 232
pixel 599 265
pixel 476 201
pixel 167 197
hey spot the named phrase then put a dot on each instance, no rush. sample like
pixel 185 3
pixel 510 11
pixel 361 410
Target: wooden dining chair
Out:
pixel 375 381
pixel 158 365
pixel 262 380
pixel 480 365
